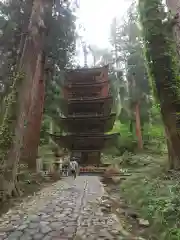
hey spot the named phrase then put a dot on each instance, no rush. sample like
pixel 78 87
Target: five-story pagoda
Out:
pixel 87 114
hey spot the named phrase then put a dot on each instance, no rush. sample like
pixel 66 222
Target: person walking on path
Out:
pixel 74 167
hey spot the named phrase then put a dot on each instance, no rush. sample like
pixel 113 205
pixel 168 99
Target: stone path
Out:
pixel 68 209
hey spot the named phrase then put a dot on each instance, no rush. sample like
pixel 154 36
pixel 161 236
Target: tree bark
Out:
pixel 163 65
pixel 35 109
pixel 32 134
pixel 171 156
pixel 174 7
pixel 136 108
pixel 138 126
pixel 173 136
pixel 172 132
pixel 27 66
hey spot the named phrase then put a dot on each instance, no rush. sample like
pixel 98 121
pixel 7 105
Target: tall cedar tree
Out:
pixel 163 67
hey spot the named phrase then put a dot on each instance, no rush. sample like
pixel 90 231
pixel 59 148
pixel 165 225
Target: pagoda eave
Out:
pixel 87 123
pixel 91 118
pixel 87 74
pixel 85 85
pixel 90 100
pixel 82 107
pixel 83 91
pixel 85 142
pixel 87 71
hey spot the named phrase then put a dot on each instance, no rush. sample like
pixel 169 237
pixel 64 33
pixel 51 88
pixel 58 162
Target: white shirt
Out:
pixel 60 164
pixel 73 165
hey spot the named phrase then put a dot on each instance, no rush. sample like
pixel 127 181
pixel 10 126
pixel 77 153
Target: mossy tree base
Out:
pixel 8 159
pixel 8 189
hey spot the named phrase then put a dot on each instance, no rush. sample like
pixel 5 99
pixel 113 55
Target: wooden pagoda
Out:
pixel 87 115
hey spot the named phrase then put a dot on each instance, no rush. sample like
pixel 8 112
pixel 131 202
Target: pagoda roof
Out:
pixel 86 75
pixel 81 106
pixel 93 71
pixel 85 142
pixel 88 100
pixel 87 123
pixel 85 84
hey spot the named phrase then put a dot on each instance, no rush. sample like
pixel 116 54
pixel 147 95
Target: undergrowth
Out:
pixel 155 193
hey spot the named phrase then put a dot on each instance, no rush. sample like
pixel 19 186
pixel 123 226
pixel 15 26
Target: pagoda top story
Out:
pixel 86 75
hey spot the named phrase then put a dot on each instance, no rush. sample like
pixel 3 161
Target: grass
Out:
pixel 150 188
pixel 155 193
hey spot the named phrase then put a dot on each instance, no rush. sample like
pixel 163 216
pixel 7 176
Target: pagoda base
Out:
pixel 88 157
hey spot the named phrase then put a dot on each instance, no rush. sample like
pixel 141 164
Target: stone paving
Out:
pixel 69 209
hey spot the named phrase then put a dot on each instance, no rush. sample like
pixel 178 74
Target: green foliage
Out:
pixel 44 138
pixel 60 49
pixel 116 84
pixel 14 19
pixel 126 140
pixel 10 117
pixel 155 193
pixel 153 136
pixel 45 152
pixel 160 49
pixel 123 116
pixel 155 132
pixel 127 43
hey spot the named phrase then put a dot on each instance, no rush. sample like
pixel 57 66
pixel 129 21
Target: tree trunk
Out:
pixel 136 108
pixel 138 126
pixel 163 63
pixel 32 134
pixel 173 137
pixel 8 164
pixel 27 67
pixel 172 132
pixel 171 156
pixel 35 110
pixel 174 7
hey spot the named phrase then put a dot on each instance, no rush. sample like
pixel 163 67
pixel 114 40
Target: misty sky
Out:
pixel 96 16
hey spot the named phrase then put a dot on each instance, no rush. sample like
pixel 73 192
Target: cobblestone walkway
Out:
pixel 67 210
